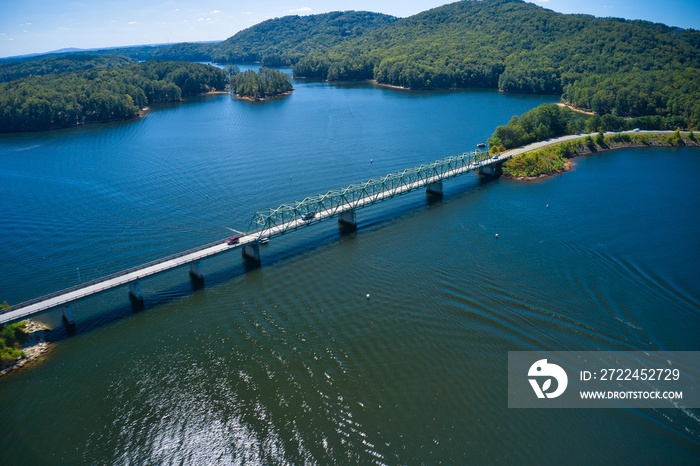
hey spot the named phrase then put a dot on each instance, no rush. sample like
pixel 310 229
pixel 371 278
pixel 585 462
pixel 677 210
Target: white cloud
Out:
pixel 305 9
pixel 131 22
pixel 215 12
pixel 200 19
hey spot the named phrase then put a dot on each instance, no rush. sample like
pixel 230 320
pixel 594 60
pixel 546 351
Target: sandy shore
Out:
pixel 34 348
pixel 574 109
pixel 374 81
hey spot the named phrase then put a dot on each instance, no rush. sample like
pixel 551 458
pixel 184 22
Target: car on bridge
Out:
pixel 234 239
pixel 309 216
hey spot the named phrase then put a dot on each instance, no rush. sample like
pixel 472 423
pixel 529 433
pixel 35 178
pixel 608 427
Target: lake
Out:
pixel 291 363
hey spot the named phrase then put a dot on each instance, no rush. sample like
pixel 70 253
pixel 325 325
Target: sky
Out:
pixel 37 26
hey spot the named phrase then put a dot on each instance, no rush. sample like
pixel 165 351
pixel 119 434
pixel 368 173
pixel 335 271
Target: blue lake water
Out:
pixel 290 363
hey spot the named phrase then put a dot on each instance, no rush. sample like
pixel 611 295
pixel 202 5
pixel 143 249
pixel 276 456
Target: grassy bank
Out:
pixel 12 336
pixel 556 158
pixel 21 343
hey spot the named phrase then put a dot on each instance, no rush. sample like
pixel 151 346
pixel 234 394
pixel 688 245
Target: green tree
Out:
pixel 12 336
pixel 600 140
pixel 541 123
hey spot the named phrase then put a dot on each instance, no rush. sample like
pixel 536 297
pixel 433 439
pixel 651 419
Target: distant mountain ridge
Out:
pixel 511 44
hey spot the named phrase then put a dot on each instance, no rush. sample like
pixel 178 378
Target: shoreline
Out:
pixel 36 346
pixel 612 141
pixel 390 86
pixel 251 99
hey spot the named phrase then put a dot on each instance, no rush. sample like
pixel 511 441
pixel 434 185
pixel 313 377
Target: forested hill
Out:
pixel 56 64
pixel 283 41
pixel 517 46
pixel 629 68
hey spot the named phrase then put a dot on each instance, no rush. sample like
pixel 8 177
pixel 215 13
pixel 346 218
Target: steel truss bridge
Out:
pixel 341 203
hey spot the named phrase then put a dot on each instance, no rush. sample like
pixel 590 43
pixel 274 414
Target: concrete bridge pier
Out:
pixel 196 275
pixel 434 189
pixel 492 170
pixel 67 315
pixel 348 221
pixel 251 254
pixel 135 296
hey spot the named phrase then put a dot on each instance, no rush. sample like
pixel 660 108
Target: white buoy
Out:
pixel 548 206
pixel 496 235
pixel 367 295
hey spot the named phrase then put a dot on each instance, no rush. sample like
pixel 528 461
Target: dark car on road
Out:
pixel 234 239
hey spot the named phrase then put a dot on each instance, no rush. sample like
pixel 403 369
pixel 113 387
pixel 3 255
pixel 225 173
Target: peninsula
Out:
pixel 554 156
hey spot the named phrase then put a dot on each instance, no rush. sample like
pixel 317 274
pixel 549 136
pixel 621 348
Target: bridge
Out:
pixel 341 203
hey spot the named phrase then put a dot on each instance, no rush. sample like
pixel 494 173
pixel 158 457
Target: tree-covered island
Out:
pixel 264 84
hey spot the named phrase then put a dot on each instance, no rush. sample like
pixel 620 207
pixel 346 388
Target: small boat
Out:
pixel 264 240
pixel 481 145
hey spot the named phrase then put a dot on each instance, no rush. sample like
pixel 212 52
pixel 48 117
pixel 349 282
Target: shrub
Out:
pixel 11 338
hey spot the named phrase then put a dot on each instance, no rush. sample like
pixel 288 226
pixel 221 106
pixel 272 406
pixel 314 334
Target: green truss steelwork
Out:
pixel 298 214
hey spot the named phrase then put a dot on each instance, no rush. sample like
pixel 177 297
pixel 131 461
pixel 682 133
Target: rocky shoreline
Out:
pixel 36 346
pixel 261 99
